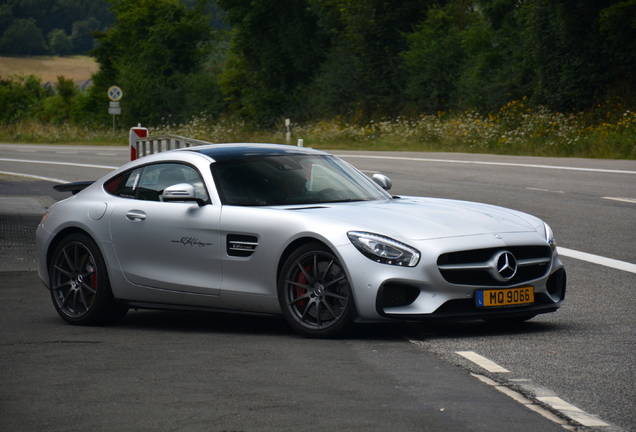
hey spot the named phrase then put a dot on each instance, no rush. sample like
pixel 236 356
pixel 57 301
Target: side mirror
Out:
pixel 383 181
pixel 181 192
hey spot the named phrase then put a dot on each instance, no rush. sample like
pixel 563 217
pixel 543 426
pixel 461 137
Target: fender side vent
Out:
pixel 241 245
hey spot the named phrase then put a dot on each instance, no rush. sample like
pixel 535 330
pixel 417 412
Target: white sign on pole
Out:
pixel 114 94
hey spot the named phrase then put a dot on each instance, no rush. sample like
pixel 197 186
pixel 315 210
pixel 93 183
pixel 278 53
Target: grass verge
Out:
pixel 514 130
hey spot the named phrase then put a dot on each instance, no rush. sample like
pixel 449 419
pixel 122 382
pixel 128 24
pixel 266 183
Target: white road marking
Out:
pixel 572 412
pixel 39 147
pixel 555 402
pixel 485 363
pixel 49 179
pixel 544 190
pixel 521 399
pixel 539 393
pixel 555 167
pixel 627 200
pixel 597 259
pixel 59 163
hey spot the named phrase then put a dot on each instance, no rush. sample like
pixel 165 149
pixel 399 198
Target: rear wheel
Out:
pixel 314 292
pixel 79 283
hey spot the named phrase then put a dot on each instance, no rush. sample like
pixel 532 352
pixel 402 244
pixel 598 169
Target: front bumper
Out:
pixel 385 292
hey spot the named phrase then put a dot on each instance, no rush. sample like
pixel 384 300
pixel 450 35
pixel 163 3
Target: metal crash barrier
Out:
pixel 142 145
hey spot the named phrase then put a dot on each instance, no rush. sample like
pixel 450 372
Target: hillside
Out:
pixel 48 68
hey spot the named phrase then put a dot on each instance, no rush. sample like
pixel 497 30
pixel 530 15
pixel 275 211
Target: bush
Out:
pixel 20 98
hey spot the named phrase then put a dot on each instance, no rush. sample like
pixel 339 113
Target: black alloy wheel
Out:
pixel 314 292
pixel 79 283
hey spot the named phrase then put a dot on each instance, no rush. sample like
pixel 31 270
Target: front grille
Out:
pixel 472 267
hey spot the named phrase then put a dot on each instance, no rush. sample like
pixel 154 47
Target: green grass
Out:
pixel 514 130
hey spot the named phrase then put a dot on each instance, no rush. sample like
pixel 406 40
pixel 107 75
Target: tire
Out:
pixel 314 292
pixel 79 284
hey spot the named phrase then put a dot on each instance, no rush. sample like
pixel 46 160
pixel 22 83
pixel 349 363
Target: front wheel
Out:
pixel 314 292
pixel 79 283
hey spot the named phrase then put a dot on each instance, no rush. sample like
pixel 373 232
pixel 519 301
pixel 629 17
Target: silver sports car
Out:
pixel 274 229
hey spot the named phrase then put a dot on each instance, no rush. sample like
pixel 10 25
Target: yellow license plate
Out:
pixel 505 297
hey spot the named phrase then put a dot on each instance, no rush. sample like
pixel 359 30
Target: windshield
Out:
pixel 292 179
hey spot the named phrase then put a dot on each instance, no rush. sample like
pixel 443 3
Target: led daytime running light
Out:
pixel 384 250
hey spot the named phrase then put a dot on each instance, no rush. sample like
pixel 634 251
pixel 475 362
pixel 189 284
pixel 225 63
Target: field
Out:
pixel 77 68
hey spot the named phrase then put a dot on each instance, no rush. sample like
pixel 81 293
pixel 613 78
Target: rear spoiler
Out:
pixel 73 187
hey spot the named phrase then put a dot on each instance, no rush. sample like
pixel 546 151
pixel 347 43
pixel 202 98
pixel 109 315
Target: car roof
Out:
pixel 223 152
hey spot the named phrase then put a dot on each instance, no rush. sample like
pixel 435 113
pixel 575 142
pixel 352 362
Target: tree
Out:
pixel 571 66
pixel 23 37
pixel 59 43
pixel 497 69
pixel 434 61
pixel 52 15
pixel 276 49
pixel 151 52
pixel 367 37
pixel 81 38
pixel 618 27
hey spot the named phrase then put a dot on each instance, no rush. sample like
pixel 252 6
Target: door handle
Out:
pixel 135 215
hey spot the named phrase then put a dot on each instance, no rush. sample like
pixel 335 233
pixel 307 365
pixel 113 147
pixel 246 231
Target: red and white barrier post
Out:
pixel 135 133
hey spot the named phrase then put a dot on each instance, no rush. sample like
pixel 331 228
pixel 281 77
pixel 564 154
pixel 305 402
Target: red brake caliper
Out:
pixel 302 279
pixel 93 277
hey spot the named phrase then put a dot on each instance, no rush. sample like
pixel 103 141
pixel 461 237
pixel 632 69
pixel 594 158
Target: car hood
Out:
pixel 427 218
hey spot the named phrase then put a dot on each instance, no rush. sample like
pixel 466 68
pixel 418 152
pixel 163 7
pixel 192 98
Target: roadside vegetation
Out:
pixel 549 78
pixel 514 130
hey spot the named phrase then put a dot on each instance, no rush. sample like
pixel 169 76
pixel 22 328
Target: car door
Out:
pixel 166 245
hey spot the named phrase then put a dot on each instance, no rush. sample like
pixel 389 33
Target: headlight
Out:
pixel 384 249
pixel 549 236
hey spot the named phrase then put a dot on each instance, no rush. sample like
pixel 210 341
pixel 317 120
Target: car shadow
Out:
pixel 468 329
pixel 204 322
pixel 229 323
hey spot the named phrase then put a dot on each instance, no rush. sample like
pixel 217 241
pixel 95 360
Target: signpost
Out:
pixel 114 94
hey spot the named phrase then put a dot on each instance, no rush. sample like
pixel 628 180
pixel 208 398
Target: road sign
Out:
pixel 114 111
pixel 115 93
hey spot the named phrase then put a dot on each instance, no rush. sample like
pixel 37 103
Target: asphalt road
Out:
pixel 165 371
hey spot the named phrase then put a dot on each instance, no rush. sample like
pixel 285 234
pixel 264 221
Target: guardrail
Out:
pixel 151 145
pixel 142 145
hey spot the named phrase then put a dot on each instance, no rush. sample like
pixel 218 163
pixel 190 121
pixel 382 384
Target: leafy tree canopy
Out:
pixel 76 18
pixel 152 52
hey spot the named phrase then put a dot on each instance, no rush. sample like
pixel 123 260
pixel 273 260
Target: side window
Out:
pixel 124 185
pixel 149 182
